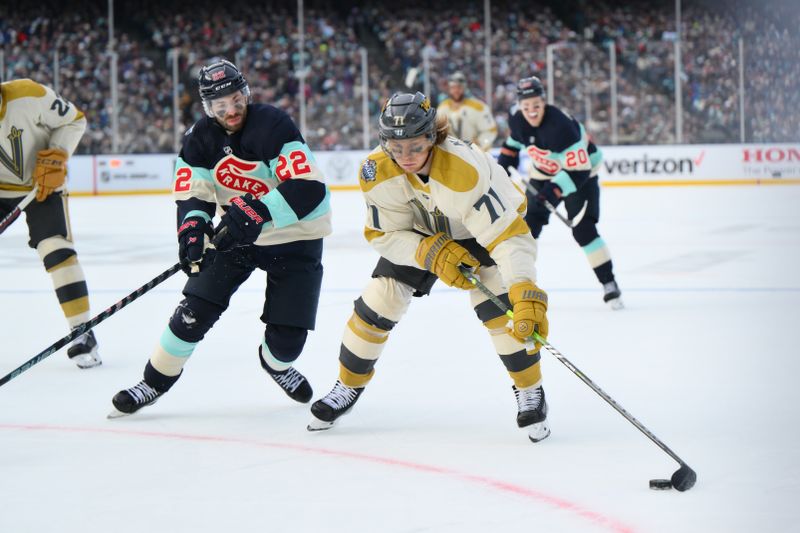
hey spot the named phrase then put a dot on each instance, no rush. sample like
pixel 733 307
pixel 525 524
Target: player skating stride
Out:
pixel 242 147
pixel 39 130
pixel 435 203
pixel 564 165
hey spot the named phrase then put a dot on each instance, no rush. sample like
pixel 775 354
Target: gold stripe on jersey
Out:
pixel 452 171
pixel 518 227
pixel 10 187
pixel 79 116
pixel 15 89
pixel 371 234
pixel 386 169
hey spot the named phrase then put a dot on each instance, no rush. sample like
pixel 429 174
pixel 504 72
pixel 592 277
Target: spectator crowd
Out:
pixel 72 53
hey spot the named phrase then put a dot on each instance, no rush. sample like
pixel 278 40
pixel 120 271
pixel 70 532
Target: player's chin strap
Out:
pixel 683 479
pixel 569 222
pixel 14 214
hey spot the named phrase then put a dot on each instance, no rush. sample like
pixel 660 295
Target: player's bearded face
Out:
pixel 533 110
pixel 456 91
pixel 410 154
pixel 230 111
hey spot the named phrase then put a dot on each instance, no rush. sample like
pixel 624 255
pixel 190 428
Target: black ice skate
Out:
pixel 83 351
pixel 532 414
pixel 293 383
pixel 335 404
pixel 128 401
pixel 612 295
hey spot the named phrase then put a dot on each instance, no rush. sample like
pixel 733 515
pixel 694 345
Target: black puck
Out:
pixel 660 484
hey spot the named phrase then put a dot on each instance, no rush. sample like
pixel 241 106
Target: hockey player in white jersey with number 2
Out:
pixel 435 203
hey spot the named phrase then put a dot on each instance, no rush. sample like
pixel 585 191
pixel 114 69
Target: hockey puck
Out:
pixel 660 484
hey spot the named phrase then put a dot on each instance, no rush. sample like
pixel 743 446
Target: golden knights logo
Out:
pixel 14 161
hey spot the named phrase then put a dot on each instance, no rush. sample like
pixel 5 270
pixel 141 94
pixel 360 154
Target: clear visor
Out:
pixel 231 104
pixel 406 148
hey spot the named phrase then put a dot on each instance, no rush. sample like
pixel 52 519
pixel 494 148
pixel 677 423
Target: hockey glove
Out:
pixel 243 220
pixel 442 255
pixel 550 192
pixel 193 238
pixel 50 171
pixel 530 311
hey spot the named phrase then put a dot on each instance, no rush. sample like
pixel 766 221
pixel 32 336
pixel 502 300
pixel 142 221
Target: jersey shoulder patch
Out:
pixel 377 168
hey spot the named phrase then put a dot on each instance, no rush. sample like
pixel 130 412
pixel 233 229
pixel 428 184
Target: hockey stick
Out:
pixel 569 222
pixel 682 479
pixel 86 326
pixel 17 211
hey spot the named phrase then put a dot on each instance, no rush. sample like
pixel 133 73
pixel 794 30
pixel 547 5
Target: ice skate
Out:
pixel 83 351
pixel 128 401
pixel 293 383
pixel 532 414
pixel 612 295
pixel 335 404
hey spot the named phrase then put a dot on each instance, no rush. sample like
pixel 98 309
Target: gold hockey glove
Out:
pixel 442 255
pixel 530 311
pixel 50 171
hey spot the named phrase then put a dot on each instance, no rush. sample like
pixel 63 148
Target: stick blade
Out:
pixel 684 478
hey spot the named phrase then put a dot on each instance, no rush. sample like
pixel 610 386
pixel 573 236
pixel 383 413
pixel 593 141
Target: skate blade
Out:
pixel 116 414
pixel 538 431
pixel 616 304
pixel 318 425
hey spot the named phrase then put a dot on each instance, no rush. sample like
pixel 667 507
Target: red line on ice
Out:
pixel 596 518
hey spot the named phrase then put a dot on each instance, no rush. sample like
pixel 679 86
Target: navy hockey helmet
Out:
pixel 220 78
pixel 405 116
pixel 530 88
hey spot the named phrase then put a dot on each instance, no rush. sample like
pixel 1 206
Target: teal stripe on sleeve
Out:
pixel 175 346
pixel 593 246
pixel 282 213
pixel 197 213
pixel 565 183
pixel 515 143
pixel 197 172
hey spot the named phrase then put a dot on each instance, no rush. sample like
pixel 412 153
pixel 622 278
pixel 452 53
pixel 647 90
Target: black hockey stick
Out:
pixel 17 211
pixel 86 326
pixel 682 479
pixel 569 222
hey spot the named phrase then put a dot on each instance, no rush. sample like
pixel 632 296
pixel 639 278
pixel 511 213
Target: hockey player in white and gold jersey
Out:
pixel 470 119
pixel 39 130
pixel 435 203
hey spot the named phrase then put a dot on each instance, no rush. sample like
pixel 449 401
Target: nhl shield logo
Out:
pixel 368 170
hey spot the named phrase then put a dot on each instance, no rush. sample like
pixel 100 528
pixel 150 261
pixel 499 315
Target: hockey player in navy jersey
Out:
pixel 564 166
pixel 250 162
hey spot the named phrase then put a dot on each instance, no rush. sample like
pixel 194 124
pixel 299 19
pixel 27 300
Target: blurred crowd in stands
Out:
pixel 70 51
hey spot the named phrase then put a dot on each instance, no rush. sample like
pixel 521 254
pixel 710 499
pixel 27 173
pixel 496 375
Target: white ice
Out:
pixel 705 356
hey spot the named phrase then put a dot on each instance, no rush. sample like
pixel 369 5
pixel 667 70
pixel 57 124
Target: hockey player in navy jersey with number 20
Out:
pixel 250 161
pixel 564 165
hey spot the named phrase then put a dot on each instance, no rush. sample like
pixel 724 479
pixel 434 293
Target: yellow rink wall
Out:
pixel 622 166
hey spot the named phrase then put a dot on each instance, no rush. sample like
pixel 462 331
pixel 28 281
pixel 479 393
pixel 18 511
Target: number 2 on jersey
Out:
pixel 299 165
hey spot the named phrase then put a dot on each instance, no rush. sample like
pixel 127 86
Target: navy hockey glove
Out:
pixel 193 236
pixel 243 220
pixel 550 192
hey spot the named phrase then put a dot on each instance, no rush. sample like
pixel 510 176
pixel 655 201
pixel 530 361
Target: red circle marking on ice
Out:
pixel 596 518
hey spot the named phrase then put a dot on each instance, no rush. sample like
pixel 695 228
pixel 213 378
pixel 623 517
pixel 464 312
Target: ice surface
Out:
pixel 704 355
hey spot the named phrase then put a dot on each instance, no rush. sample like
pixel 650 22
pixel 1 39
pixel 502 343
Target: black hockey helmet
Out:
pixel 530 88
pixel 405 116
pixel 220 78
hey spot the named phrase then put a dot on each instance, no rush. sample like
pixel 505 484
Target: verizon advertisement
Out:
pixel 690 164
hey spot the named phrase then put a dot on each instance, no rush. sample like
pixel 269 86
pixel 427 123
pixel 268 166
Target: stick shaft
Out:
pixel 17 211
pixel 575 370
